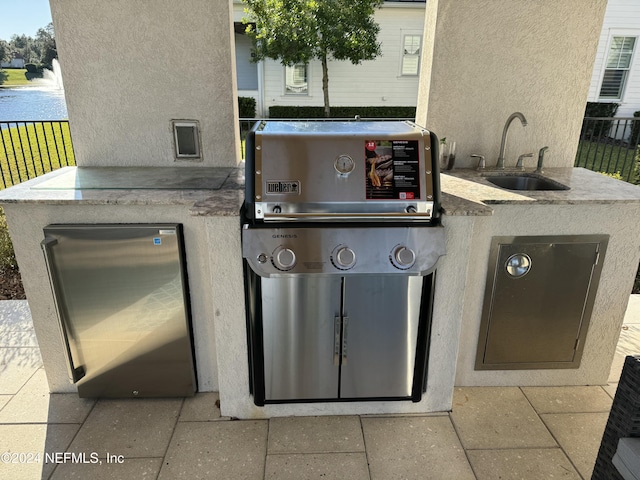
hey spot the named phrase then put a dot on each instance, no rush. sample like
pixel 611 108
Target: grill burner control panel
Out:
pixel 273 252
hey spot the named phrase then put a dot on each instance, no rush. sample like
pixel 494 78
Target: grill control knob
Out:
pixel 343 257
pixel 283 258
pixel 402 257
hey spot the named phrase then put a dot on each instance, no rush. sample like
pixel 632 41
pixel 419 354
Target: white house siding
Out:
pixel 372 83
pixel 622 18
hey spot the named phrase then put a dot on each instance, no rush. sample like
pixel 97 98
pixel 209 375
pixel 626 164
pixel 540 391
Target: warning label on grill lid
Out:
pixel 393 169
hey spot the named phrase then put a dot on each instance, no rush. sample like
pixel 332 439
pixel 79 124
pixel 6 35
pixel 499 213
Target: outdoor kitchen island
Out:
pixel 473 213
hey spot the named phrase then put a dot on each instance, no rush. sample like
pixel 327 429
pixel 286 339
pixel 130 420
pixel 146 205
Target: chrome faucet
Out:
pixel 503 145
pixel 541 159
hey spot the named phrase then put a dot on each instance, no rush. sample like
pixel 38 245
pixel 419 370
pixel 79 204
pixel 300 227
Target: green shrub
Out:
pixel 617 175
pixel 284 111
pixel 7 256
pixel 597 109
pixel 598 128
pixel 247 107
pixel 31 68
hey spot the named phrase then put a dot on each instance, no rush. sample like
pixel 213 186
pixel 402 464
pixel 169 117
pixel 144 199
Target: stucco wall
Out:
pixel 618 272
pixel 492 58
pixel 131 66
pixel 27 235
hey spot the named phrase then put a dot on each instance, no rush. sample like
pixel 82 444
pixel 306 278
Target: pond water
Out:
pixel 32 103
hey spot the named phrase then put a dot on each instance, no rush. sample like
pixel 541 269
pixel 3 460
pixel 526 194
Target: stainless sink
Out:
pixel 525 181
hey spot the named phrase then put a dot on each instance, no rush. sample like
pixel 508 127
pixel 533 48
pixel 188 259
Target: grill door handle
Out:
pixel 345 329
pixel 337 341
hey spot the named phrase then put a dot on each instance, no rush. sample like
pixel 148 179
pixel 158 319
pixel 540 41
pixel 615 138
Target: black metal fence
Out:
pixel 610 145
pixel 29 149
pixel 32 148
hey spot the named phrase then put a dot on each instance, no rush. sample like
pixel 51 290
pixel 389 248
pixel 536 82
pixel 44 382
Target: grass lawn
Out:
pixel 30 151
pixel 10 77
pixel 602 157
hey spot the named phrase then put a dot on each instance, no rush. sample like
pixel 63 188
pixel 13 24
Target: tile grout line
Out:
pixel 552 435
pixel 74 436
pixel 466 455
pixel 266 451
pixel 364 445
pixel 173 431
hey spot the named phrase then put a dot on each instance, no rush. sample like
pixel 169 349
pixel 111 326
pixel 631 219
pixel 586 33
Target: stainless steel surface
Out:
pixel 539 317
pixel 505 131
pixel 300 337
pixel 130 178
pixel 525 182
pixel 333 337
pixel 541 159
pixel 319 170
pixel 122 301
pixel 342 226
pixel 383 323
pixel 382 250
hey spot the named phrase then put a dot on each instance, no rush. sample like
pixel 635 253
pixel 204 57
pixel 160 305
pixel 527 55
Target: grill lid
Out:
pixel 332 171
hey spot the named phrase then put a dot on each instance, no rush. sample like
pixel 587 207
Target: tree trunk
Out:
pixel 325 86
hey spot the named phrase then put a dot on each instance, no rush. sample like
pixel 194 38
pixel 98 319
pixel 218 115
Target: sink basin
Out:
pixel 525 182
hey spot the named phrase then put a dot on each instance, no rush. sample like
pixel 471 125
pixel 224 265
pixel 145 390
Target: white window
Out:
pixel 411 54
pixel 617 67
pixel 296 80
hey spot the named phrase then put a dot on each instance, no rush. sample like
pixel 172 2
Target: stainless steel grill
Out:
pixel 341 236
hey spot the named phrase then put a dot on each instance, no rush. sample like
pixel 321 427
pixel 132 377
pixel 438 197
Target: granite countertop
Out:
pixel 468 192
pixel 219 191
pixel 207 190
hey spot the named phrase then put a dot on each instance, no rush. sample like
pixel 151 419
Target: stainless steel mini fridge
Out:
pixel 122 302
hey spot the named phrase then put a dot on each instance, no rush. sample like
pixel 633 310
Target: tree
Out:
pixel 45 39
pixel 298 31
pixel 4 51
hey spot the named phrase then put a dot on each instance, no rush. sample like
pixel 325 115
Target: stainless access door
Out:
pixel 538 301
pixel 299 333
pixel 122 304
pixel 381 317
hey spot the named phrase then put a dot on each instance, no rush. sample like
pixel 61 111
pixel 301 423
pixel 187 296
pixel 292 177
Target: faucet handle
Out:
pixel 541 159
pixel 481 163
pixel 519 163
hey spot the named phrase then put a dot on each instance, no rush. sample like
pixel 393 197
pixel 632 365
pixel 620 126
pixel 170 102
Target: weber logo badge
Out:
pixel 289 187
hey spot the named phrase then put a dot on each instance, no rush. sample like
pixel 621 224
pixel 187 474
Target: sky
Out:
pixel 23 17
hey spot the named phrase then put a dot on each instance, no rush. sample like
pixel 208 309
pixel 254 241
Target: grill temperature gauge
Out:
pixel 344 164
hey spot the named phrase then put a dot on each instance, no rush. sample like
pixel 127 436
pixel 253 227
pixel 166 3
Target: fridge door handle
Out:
pixel 75 374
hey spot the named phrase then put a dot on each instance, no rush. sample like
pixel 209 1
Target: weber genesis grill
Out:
pixel 340 238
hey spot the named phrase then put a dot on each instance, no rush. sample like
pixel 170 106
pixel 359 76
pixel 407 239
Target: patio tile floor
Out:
pixel 492 433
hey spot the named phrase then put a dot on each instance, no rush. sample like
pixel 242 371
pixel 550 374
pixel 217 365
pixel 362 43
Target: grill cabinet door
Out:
pixel 298 315
pixel 381 316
